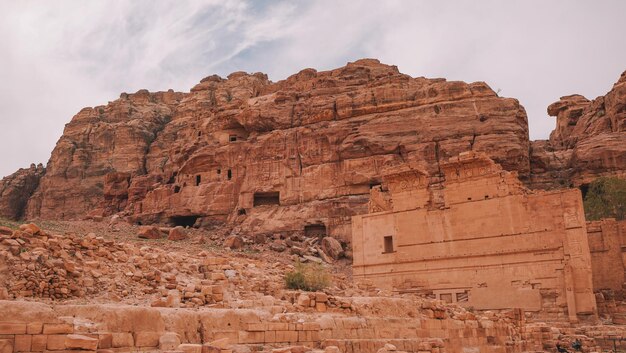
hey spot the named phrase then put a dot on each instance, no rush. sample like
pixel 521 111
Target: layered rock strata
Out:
pixel 263 156
pixel 16 189
pixel 589 140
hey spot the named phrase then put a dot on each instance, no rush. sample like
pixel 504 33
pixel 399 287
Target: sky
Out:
pixel 57 57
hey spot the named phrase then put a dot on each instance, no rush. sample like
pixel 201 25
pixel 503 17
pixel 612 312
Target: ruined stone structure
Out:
pixel 607 243
pixel 476 235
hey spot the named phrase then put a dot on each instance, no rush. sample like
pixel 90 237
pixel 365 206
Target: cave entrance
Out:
pixel 266 198
pixel 315 230
pixel 584 188
pixel 183 221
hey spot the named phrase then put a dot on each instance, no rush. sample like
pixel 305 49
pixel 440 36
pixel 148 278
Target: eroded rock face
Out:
pixel 16 189
pixel 589 140
pixel 97 142
pixel 267 156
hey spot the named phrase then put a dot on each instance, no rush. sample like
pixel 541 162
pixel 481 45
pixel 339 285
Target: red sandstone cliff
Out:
pixel 314 143
pixel 15 190
pixel 266 156
pixel 589 140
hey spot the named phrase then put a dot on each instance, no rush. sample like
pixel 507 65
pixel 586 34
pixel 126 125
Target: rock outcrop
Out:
pixel 302 154
pixel 263 156
pixel 16 189
pixel 589 140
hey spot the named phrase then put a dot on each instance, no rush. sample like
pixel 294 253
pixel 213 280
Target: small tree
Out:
pixel 606 198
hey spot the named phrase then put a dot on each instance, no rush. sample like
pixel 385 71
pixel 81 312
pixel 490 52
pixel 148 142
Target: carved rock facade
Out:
pixel 265 157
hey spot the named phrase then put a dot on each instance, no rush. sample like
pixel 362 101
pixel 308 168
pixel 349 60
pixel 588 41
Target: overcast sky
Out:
pixel 59 56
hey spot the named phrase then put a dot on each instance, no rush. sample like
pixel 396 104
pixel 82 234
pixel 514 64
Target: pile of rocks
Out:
pixel 53 266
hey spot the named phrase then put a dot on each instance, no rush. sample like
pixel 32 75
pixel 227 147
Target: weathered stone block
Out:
pixel 6 346
pixel 34 328
pixel 22 343
pixel 122 339
pixel 169 341
pixel 12 329
pixel 190 348
pixel 38 343
pixel 55 329
pixel 81 342
pixel 147 339
pixel 55 342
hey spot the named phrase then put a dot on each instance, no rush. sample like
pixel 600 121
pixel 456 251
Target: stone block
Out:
pixel 147 339
pixel 55 329
pixel 258 326
pixel 278 326
pixel 81 342
pixel 286 336
pixel 12 329
pixel 105 340
pixel 38 343
pixel 190 348
pixel 34 328
pixel 22 343
pixel 122 339
pixel 6 346
pixel 55 342
pixel 246 337
pixel 169 341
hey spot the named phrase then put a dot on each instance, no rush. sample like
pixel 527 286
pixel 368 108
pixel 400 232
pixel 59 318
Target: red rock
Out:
pixel 16 189
pixel 81 342
pixel 332 247
pixel 233 242
pixel 589 141
pixel 177 233
pixel 149 232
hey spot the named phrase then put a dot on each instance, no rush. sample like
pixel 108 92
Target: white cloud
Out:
pixel 60 56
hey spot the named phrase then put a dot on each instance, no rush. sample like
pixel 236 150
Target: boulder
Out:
pixel 233 242
pixel 149 232
pixel 332 247
pixel 177 233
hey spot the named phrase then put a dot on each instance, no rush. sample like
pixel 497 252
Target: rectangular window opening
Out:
pixel 232 138
pixel 229 174
pixel 315 230
pixel 198 179
pixel 388 244
pixel 266 198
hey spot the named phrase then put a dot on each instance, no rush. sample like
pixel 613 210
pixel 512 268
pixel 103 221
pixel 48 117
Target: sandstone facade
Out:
pixel 476 236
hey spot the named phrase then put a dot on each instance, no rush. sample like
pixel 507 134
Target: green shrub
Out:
pixel 606 198
pixel 308 277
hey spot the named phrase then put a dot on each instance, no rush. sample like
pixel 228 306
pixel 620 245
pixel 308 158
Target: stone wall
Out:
pixel 476 236
pixel 425 327
pixel 606 241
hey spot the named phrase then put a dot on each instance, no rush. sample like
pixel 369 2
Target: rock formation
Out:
pixel 299 152
pixel 15 190
pixel 589 140
pixel 302 154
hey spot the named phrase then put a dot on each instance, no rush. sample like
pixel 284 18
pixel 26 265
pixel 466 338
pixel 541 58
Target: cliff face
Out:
pixel 15 190
pixel 302 153
pixel 269 156
pixel 589 140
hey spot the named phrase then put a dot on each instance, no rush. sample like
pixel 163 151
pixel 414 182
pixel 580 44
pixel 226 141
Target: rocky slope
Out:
pixel 301 154
pixel 266 156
